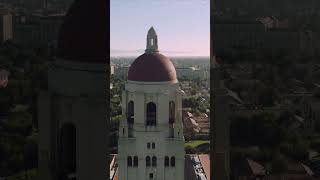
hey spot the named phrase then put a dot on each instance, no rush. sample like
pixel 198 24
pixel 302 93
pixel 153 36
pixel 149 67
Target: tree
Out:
pixel 190 150
pixel 20 121
pixel 262 129
pixel 267 97
pixel 279 165
pixel 31 153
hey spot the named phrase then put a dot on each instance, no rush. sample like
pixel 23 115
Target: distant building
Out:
pixel 261 35
pixel 249 169
pixel 112 68
pixel 4 78
pixel 197 167
pixel 191 73
pixel 34 4
pixel 114 167
pixel 6 25
pixel 310 112
pixel 238 34
pixel 196 127
pixel 122 72
pixel 281 39
pixel 37 30
pixel 295 171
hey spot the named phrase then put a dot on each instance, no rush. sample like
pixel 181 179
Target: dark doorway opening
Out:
pixel 68 152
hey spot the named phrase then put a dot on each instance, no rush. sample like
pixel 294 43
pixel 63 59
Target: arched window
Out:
pixel 154 161
pixel 172 110
pixel 130 112
pixel 166 161
pixel 135 161
pixel 148 161
pixel 67 148
pixel 129 161
pixel 148 145
pixel 173 161
pixel 153 145
pixel 151 114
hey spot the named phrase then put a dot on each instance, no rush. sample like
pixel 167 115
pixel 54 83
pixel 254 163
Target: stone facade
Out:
pixel 72 123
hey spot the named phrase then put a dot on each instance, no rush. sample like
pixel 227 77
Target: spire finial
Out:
pixel 152 41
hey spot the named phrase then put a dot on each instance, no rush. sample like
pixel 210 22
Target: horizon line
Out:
pixel 132 56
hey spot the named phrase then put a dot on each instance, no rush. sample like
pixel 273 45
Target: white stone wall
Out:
pixel 79 98
pixel 160 94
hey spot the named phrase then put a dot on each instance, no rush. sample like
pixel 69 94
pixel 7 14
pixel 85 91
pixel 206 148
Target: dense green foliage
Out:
pixel 18 122
pixel 270 137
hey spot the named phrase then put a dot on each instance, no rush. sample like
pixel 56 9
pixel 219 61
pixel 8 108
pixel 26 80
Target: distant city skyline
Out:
pixel 182 26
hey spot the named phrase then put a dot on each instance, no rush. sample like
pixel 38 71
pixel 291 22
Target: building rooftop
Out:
pixel 152 67
pixel 205 162
pixel 83 34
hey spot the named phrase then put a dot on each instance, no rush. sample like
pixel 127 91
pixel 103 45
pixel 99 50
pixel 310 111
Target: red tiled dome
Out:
pixel 84 34
pixel 152 67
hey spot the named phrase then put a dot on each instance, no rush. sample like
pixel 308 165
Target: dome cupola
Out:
pixel 83 35
pixel 152 66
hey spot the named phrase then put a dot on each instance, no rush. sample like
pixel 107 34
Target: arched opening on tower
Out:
pixel 135 161
pixel 68 151
pixel 148 161
pixel 166 161
pixel 172 114
pixel 154 161
pixel 151 114
pixel 129 161
pixel 130 118
pixel 130 112
pixel 173 161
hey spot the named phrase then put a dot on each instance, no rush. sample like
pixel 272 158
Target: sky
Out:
pixel 182 26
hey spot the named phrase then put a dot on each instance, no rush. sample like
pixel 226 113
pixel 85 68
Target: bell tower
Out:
pixel 151 141
pixel 72 110
pixel 220 131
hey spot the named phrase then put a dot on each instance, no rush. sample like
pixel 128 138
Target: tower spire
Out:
pixel 152 41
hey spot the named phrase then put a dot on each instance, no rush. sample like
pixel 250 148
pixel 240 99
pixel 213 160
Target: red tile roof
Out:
pixel 153 67
pixel 205 162
pixel 84 33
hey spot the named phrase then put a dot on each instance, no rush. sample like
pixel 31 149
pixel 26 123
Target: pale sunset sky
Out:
pixel 182 26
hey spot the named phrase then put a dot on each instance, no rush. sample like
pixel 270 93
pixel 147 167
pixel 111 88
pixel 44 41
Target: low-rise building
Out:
pixel 37 29
pixel 196 127
pixel 4 75
pixel 249 169
pixel 310 111
pixel 6 24
pixel 122 72
pixel 197 167
pixel 261 35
